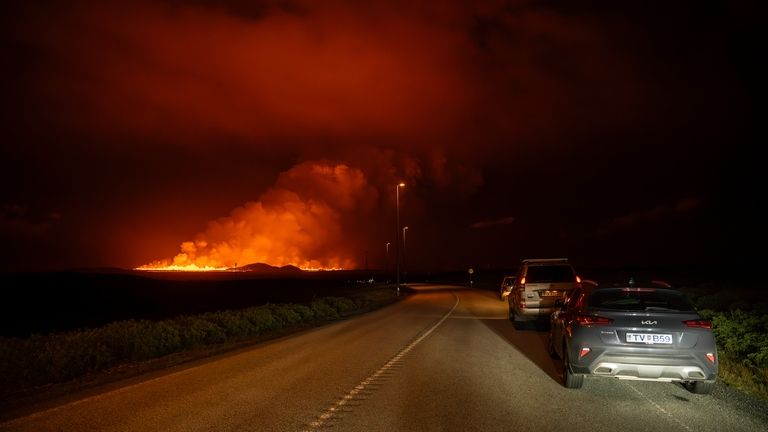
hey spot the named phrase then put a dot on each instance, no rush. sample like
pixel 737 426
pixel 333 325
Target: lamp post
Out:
pixel 404 271
pixel 397 234
pixel 386 262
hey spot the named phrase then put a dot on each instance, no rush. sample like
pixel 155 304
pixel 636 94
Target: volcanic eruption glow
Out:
pixel 299 222
pixel 186 268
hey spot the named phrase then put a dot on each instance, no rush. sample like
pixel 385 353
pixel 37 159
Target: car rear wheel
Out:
pixel 518 324
pixel 701 387
pixel 570 380
pixel 551 347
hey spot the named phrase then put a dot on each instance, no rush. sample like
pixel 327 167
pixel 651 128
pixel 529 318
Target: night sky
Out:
pixel 228 132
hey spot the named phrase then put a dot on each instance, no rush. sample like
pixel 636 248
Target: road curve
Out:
pixel 443 359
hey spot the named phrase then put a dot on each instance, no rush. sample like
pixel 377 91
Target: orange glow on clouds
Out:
pixel 194 73
pixel 299 222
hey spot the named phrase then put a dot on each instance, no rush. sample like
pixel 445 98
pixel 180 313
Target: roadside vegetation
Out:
pixel 739 315
pixel 739 318
pixel 39 360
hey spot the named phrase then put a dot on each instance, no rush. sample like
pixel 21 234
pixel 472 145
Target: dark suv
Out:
pixel 539 283
pixel 639 331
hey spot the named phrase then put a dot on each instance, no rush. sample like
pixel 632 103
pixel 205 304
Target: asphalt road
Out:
pixel 445 359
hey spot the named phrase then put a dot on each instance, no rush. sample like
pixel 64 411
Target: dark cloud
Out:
pixel 489 223
pixel 632 220
pixel 19 221
pixel 142 121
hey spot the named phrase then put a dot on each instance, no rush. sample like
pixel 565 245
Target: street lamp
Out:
pixel 386 262
pixel 397 233
pixel 404 272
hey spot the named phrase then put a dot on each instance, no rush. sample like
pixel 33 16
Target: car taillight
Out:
pixel 592 320
pixel 578 279
pixel 583 352
pixel 699 323
pixel 711 357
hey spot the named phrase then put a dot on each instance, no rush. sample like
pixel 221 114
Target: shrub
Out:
pixel 305 313
pixel 261 318
pixel 42 359
pixel 52 358
pixel 750 379
pixel 285 315
pixel 234 323
pixel 742 335
pixel 340 304
pixel 322 311
pixel 141 340
pixel 196 331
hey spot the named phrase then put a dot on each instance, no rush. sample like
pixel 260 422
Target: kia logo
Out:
pixel 649 322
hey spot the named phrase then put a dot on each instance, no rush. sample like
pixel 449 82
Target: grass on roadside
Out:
pixel 739 316
pixel 749 379
pixel 742 343
pixel 54 358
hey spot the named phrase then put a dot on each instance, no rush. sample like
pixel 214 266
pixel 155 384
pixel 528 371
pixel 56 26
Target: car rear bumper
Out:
pixel 650 372
pixel 534 313
pixel 649 368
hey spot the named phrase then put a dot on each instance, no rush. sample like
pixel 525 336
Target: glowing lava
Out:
pixel 186 268
pixel 299 222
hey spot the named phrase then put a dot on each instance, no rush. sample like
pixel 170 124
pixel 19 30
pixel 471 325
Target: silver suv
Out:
pixel 538 285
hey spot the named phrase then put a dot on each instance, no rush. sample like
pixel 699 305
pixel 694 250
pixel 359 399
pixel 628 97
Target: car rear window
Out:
pixel 550 273
pixel 643 299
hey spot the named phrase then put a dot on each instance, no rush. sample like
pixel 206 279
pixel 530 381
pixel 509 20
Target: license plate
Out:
pixel 649 338
pixel 551 293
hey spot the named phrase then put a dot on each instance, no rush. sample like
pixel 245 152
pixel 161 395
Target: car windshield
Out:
pixel 550 273
pixel 643 299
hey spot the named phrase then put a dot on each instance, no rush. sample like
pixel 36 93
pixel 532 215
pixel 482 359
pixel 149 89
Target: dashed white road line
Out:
pixel 671 417
pixel 339 405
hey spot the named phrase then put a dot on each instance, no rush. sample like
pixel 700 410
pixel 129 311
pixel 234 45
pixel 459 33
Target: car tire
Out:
pixel 701 387
pixel 518 324
pixel 570 379
pixel 551 347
